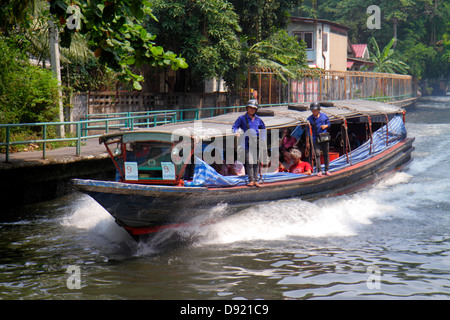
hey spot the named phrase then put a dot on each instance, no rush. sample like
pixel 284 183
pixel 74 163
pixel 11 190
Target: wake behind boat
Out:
pixel 170 174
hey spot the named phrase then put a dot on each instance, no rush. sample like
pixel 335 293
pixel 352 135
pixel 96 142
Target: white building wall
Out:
pixel 321 40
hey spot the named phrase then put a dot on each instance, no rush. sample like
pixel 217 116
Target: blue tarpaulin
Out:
pixel 297 133
pixel 383 138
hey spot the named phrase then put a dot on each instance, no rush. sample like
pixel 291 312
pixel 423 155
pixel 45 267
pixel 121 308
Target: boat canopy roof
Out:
pixel 274 117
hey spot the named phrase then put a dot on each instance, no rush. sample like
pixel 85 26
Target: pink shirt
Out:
pixel 289 142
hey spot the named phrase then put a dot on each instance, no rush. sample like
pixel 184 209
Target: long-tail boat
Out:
pixel 165 177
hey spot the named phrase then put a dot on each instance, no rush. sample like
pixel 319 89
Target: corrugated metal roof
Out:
pixel 359 50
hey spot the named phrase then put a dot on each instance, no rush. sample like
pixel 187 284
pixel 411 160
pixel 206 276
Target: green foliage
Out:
pixel 420 57
pixel 27 93
pixel 13 12
pixel 204 32
pixel 221 39
pixel 80 71
pixel 420 25
pixel 282 53
pixel 116 33
pixel 88 76
pixel 260 19
pixel 384 61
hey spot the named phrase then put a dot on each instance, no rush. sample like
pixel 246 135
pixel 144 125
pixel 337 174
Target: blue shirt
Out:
pixel 256 125
pixel 323 119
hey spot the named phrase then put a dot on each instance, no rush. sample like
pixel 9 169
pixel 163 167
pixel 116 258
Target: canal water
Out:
pixel 391 241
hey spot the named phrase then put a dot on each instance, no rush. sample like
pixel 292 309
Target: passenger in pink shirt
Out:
pixel 287 141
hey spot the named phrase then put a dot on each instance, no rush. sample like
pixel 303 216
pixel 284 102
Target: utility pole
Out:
pixel 56 67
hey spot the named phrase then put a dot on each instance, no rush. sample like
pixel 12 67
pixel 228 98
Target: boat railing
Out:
pixel 45 132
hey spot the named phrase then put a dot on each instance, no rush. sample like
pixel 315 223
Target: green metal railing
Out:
pixel 180 114
pixel 82 129
pixel 390 98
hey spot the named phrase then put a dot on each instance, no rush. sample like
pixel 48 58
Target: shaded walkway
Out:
pixel 90 149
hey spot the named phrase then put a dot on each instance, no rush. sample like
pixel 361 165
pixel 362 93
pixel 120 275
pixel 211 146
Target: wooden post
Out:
pixel 320 87
pixel 270 88
pixel 259 88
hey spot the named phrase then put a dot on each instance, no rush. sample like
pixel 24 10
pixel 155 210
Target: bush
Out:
pixel 27 93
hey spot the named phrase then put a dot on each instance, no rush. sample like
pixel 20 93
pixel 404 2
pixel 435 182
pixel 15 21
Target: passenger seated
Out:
pixel 354 142
pixel 299 166
pixel 285 161
pixel 221 168
pixel 236 169
pixel 287 141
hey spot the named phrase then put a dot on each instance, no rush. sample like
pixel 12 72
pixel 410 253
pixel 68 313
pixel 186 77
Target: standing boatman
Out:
pixel 253 124
pixel 319 125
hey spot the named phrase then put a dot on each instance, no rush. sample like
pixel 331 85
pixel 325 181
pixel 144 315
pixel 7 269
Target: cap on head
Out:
pixel 314 106
pixel 253 103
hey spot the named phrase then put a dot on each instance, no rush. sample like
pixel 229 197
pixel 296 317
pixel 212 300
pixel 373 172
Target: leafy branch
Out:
pixel 115 33
pixel 384 60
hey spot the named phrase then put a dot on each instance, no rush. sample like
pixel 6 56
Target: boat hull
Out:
pixel 146 209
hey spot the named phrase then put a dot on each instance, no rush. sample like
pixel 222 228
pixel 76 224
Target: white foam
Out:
pixel 285 218
pixel 394 179
pixel 342 216
pixel 87 214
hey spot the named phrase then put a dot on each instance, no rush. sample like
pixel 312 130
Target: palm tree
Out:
pixel 281 53
pixel 385 61
pixel 38 36
pixel 274 58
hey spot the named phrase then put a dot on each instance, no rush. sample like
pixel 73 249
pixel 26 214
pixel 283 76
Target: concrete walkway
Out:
pixel 90 149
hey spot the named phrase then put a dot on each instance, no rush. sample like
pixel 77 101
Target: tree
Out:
pixel 204 32
pixel 282 53
pixel 13 12
pixel 384 61
pixel 27 93
pixel 221 39
pixel 422 39
pixel 114 29
pixel 116 34
pixel 261 18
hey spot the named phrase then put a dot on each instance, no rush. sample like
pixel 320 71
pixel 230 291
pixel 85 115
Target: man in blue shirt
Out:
pixel 319 124
pixel 251 124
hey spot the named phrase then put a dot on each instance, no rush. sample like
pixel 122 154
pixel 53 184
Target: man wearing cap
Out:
pixel 251 124
pixel 319 124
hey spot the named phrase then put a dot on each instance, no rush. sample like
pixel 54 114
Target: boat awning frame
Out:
pixel 283 116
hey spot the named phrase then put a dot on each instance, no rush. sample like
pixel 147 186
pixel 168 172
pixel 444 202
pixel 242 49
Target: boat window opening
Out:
pixel 150 157
pixel 356 136
pixel 116 157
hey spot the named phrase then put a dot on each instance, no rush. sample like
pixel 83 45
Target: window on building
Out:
pixel 325 42
pixel 306 37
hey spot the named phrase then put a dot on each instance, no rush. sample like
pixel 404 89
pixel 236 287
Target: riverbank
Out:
pixel 28 179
